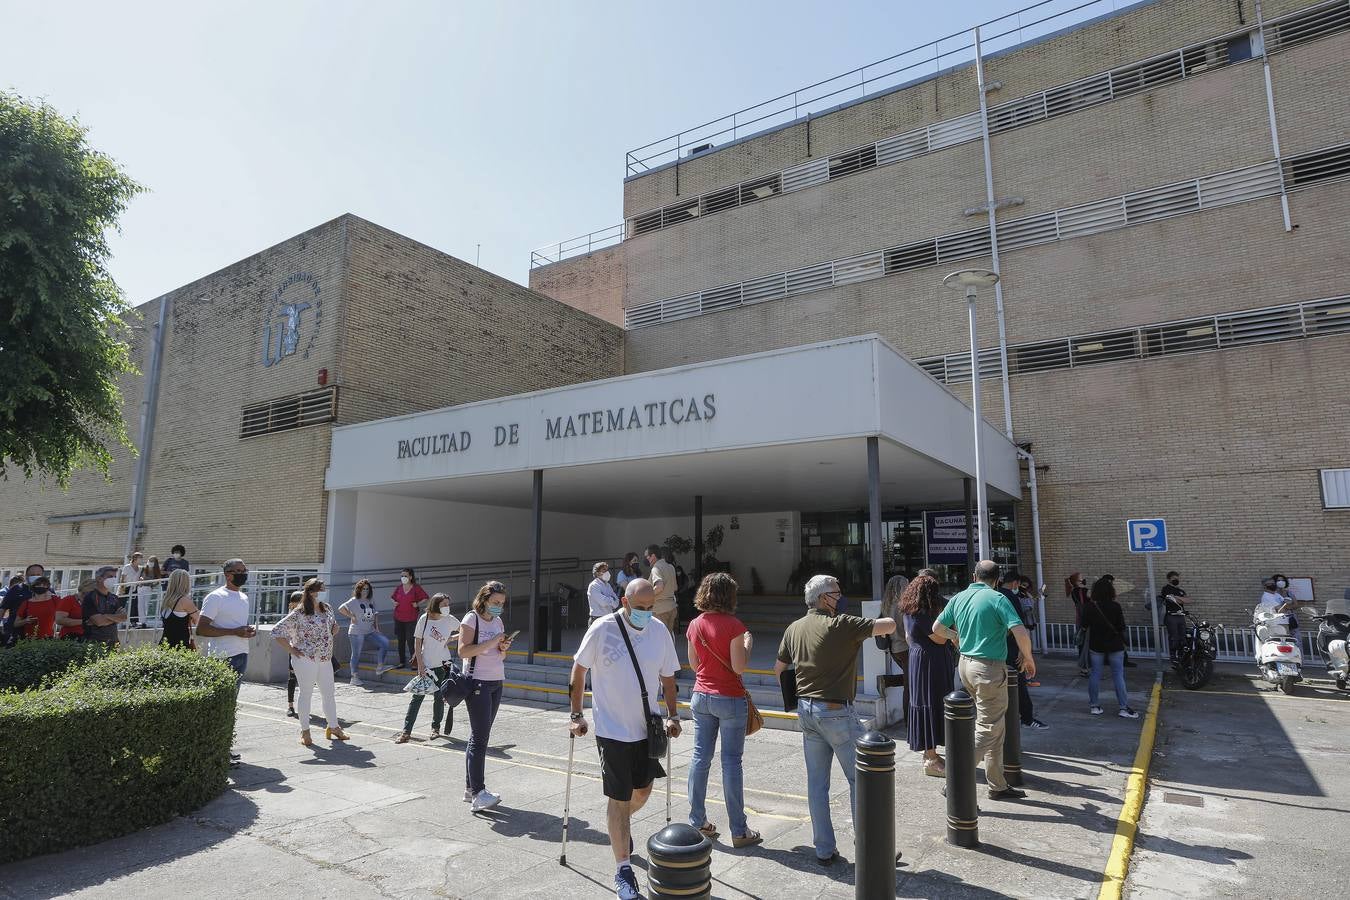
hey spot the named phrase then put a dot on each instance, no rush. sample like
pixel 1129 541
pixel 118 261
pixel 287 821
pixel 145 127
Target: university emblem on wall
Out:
pixel 292 315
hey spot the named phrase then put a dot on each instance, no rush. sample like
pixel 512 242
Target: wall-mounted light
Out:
pixel 323 377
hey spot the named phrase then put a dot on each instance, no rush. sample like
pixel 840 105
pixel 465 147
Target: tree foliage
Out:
pixel 62 333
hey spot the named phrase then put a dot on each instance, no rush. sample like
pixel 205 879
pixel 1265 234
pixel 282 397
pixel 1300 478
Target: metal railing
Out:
pixel 1234 643
pixel 927 60
pixel 577 246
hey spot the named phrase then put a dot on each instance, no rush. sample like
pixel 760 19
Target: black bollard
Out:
pixel 1012 732
pixel 679 863
pixel 874 824
pixel 963 817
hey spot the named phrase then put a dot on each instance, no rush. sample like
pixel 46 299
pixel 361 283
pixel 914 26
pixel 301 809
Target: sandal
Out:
pixel 709 830
pixel 937 769
pixel 749 839
pixel 335 734
pixel 402 738
pixel 305 739
pixel 291 713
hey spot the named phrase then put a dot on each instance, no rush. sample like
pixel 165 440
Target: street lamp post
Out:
pixel 969 281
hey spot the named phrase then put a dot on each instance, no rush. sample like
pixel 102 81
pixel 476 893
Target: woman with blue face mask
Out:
pixel 482 645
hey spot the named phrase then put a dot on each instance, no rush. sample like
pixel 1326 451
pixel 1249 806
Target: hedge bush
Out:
pixel 25 665
pixel 129 740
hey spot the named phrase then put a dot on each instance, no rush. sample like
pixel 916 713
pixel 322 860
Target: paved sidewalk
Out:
pixel 1249 793
pixel 370 818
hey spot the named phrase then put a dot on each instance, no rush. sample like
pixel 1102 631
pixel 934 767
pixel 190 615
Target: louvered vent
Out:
pixel 289 413
pixel 643 315
pixel 853 161
pixel 1331 164
pixel 1314 318
pixel 1308 24
pixel 1327 316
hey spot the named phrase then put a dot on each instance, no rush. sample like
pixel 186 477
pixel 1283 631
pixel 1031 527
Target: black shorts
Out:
pixel 624 767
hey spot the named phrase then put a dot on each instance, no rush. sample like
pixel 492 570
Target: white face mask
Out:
pixel 406 580
pixel 604 576
pixel 178 556
pixel 109 584
pixel 1282 583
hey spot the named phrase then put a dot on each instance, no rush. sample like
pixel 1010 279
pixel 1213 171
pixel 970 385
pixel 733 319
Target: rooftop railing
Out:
pixel 577 246
pixel 925 61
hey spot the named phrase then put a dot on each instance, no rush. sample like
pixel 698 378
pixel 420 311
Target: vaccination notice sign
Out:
pixel 945 534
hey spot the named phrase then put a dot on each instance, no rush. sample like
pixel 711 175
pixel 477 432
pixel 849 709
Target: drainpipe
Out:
pixel 993 245
pixel 149 406
pixel 1036 543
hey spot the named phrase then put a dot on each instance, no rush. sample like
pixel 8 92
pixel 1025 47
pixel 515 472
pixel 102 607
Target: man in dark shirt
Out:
pixel 823 648
pixel 1010 587
pixel 102 608
pixel 11 598
pixel 177 560
pixel 1174 617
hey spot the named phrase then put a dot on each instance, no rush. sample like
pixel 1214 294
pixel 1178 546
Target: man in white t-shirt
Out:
pixel 626 768
pixel 224 619
pixel 224 622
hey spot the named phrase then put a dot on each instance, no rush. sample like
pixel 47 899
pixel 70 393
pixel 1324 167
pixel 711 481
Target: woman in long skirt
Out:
pixel 931 672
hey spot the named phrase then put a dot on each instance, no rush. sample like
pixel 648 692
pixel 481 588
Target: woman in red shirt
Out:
pixel 719 651
pixel 37 615
pixel 409 598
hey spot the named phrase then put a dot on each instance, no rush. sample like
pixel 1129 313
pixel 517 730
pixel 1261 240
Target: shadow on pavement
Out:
pixel 1219 735
pixel 43 877
pixel 340 754
pixel 543 827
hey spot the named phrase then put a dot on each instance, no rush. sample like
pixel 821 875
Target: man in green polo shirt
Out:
pixel 979 620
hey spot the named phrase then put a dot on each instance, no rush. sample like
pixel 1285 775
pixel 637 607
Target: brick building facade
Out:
pixel 1174 349
pixel 392 325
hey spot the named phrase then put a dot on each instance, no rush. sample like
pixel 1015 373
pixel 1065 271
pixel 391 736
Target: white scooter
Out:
pixel 1277 653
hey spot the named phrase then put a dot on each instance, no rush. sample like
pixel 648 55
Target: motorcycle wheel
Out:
pixel 1287 684
pixel 1196 673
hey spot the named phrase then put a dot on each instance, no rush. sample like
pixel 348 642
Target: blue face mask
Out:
pixel 640 617
pixel 841 605
pixel 495 610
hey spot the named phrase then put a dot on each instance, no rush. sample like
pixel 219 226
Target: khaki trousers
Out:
pixel 987 681
pixel 668 619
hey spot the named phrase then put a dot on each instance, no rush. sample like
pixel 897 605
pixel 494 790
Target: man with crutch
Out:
pixel 629 654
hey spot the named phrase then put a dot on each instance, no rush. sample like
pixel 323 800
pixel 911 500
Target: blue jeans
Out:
pixel 239 663
pixel 826 733
pixel 714 715
pixel 482 704
pixel 358 642
pixel 1117 660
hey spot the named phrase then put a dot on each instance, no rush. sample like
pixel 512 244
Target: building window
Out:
pixel 1240 48
pixel 299 411
pixel 1320 165
pixel 1336 488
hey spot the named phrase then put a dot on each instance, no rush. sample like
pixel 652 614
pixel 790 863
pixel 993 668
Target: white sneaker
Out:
pixel 468 796
pixel 380 670
pixel 1095 710
pixel 1128 713
pixel 356 681
pixel 485 800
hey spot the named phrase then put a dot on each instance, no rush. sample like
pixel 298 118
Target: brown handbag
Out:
pixel 754 720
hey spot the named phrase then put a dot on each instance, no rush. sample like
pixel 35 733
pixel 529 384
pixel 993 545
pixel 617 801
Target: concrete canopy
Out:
pixel 769 431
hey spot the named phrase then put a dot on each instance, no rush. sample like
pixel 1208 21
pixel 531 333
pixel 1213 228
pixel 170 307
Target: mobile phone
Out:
pixel 512 636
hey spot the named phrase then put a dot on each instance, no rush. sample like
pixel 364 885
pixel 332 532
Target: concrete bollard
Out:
pixel 963 816
pixel 1012 732
pixel 874 829
pixel 679 863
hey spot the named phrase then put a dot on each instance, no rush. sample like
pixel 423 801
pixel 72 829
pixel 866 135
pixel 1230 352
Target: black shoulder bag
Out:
pixel 458 685
pixel 656 726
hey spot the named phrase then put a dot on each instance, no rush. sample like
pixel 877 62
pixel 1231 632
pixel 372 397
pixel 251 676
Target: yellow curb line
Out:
pixel 1122 846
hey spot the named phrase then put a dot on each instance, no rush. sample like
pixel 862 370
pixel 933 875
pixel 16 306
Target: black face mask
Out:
pixel 239 578
pixel 1176 581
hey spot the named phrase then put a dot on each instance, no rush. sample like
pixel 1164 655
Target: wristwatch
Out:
pixel 577 717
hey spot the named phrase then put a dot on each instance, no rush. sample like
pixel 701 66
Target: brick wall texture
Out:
pixel 593 283
pixel 400 327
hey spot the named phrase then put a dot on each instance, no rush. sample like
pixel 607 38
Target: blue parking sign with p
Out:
pixel 1147 535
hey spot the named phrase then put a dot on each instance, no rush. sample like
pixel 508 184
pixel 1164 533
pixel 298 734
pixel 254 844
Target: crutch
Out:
pixel 669 776
pixel 567 798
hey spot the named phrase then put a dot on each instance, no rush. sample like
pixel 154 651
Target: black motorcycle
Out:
pixel 1194 662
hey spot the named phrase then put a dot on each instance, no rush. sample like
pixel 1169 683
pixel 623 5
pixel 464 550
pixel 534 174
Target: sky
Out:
pixel 497 122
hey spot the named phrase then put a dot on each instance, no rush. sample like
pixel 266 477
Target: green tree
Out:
pixel 61 315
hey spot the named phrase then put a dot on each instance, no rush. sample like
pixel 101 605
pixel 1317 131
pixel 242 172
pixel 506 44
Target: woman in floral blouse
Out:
pixel 308 633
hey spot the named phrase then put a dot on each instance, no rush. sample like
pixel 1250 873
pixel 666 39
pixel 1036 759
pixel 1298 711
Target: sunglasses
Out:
pixel 495 587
